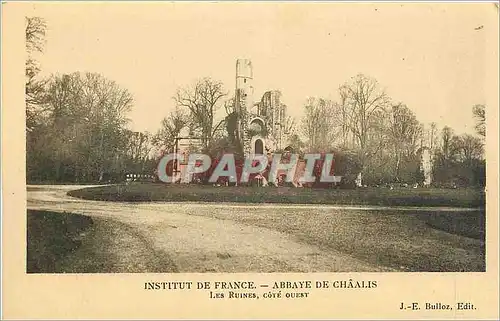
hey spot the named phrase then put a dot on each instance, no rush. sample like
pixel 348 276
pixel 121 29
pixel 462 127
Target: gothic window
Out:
pixel 259 147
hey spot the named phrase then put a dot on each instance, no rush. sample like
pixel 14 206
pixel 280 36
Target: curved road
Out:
pixel 181 237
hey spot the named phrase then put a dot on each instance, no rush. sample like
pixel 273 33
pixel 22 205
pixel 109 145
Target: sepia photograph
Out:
pixel 249 160
pixel 204 138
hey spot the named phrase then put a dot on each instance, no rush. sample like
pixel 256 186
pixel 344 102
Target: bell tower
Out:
pixel 243 99
pixel 244 85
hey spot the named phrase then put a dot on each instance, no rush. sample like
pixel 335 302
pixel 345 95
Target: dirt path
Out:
pixel 165 237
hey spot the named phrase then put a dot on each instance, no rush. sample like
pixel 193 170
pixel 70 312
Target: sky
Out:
pixel 431 57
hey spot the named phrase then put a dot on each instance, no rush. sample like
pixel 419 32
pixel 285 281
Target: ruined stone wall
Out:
pixel 270 109
pixel 275 113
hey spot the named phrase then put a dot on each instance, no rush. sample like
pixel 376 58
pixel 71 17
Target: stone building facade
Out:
pixel 262 126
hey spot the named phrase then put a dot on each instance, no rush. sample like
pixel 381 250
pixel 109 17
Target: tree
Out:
pixel 405 132
pixel 139 146
pixel 480 115
pixel 318 124
pixel 35 34
pixel 430 136
pixel 81 136
pixel 171 127
pixel 467 148
pixel 341 109
pixel 460 161
pixel 35 30
pixel 446 143
pixel 289 125
pixel 364 108
pixel 202 101
pixel 296 143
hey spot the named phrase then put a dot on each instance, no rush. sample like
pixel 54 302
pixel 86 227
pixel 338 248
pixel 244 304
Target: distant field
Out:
pixel 146 192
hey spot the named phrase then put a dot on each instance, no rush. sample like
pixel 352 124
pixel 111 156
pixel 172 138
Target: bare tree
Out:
pixel 405 133
pixel 87 114
pixel 171 127
pixel 202 101
pixel 318 124
pixel 341 109
pixel 289 125
pixel 466 148
pixel 480 116
pixel 363 104
pixel 446 143
pixel 35 34
pixel 139 146
pixel 460 159
pixel 432 136
pixel 296 143
pixel 229 106
pixel 35 29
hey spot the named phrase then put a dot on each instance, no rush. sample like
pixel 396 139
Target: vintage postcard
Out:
pixel 237 160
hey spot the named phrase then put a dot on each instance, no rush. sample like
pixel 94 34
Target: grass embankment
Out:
pixel 469 224
pixel 147 192
pixel 51 237
pixel 71 243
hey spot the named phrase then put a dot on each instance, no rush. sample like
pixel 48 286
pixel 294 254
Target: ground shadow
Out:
pixel 52 236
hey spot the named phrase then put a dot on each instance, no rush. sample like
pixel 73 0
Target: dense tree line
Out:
pixel 76 124
pixel 77 130
pixel 388 141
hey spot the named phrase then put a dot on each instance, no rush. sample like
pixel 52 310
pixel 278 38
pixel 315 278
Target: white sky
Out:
pixel 428 56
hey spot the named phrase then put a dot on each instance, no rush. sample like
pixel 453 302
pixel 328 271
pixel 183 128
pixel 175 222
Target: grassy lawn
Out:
pixel 71 243
pixel 422 241
pixel 51 237
pixel 469 224
pixel 146 192
pixel 403 240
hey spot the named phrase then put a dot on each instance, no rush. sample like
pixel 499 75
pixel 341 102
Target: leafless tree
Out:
pixel 341 110
pixel 480 116
pixel 87 114
pixel 171 127
pixel 139 146
pixel 318 123
pixel 432 136
pixel 405 134
pixel 35 29
pixel 35 34
pixel 289 125
pixel 467 148
pixel 446 143
pixel 202 101
pixel 229 106
pixel 363 105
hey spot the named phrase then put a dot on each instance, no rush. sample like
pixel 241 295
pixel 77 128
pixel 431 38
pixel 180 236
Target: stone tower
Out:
pixel 243 99
pixel 244 84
